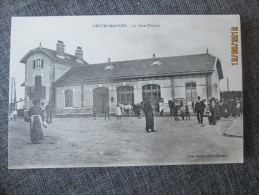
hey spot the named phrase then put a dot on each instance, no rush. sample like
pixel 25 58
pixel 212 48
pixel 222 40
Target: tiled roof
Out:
pixel 176 65
pixel 52 54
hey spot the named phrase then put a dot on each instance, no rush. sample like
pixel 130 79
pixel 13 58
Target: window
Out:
pixel 191 92
pixel 38 63
pixel 125 95
pixel 109 67
pixel 152 91
pixel 69 98
pixel 156 63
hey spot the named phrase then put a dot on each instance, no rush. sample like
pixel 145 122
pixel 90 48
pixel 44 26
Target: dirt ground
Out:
pixel 84 142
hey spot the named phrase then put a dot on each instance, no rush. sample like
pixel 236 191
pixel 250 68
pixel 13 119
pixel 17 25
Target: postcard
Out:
pixel 99 91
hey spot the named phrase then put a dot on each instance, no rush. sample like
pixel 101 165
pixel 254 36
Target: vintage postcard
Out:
pixel 91 91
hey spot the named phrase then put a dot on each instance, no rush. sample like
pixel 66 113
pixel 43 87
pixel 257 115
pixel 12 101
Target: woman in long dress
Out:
pixel 37 119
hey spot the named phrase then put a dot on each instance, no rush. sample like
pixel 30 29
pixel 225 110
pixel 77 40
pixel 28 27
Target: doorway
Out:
pixel 100 99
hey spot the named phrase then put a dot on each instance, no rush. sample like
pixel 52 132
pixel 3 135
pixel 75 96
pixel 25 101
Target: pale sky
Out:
pixel 177 35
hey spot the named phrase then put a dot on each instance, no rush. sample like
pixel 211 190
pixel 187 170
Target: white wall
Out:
pixel 180 90
pixel 165 86
pixel 45 73
pixel 215 84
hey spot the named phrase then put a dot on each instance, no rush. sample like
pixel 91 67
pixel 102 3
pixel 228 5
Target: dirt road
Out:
pixel 78 142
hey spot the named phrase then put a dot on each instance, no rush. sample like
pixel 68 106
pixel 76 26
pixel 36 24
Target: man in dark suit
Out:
pixel 106 111
pixel 199 109
pixel 49 110
pixel 148 110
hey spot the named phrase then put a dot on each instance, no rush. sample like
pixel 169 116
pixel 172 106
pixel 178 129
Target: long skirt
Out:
pixel 36 132
pixel 149 121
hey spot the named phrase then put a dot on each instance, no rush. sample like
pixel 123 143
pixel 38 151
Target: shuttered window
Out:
pixel 191 92
pixel 38 64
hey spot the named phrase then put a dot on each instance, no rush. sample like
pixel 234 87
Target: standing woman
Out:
pixel 37 120
pixel 148 110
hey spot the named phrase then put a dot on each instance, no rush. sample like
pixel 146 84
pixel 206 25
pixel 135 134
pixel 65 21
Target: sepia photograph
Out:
pixel 98 91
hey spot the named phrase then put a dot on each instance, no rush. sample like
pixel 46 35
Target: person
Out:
pixel 14 115
pixel 42 106
pixel 176 107
pixel 238 108
pixel 182 110
pixel 171 106
pixel 36 109
pixel 118 111
pixel 187 112
pixel 148 110
pixel 107 111
pixel 221 108
pixel 138 111
pixel 48 111
pixel 193 108
pixel 94 113
pixel 199 109
pixel 161 108
pixel 213 116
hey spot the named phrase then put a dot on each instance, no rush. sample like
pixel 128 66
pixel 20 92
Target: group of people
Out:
pixel 119 110
pixel 215 109
pixel 179 109
pixel 47 111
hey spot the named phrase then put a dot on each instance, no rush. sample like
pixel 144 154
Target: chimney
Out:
pixel 60 49
pixel 154 55
pixel 109 59
pixel 79 54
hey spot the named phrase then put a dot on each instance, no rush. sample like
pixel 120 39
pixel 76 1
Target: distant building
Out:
pixel 75 87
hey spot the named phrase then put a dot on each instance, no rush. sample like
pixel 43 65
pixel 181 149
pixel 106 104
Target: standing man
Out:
pixel 49 110
pixel 212 120
pixel 106 111
pixel 138 110
pixel 170 105
pixel 148 110
pixel 199 109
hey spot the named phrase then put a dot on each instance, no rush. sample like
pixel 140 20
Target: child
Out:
pixel 187 113
pixel 182 109
pixel 118 111
pixel 175 112
pixel 94 113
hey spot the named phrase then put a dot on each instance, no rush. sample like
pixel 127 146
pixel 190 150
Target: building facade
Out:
pixel 43 67
pixel 74 86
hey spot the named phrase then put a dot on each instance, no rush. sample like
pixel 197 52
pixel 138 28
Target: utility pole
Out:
pixel 13 94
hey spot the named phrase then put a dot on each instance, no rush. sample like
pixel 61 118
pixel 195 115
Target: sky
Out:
pixel 175 36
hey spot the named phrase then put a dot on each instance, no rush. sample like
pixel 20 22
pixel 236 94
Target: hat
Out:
pixel 199 97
